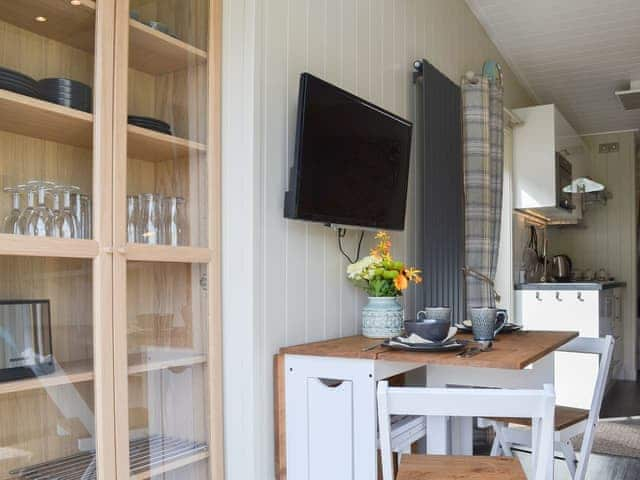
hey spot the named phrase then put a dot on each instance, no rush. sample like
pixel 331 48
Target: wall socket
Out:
pixel 608 147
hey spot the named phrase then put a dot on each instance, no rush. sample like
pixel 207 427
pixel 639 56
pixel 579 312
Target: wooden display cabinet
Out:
pixel 135 324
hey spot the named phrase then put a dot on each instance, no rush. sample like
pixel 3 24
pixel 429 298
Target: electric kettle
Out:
pixel 561 268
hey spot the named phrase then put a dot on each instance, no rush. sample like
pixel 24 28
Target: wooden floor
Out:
pixel 622 400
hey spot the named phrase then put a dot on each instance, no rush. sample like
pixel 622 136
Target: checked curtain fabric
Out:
pixel 482 117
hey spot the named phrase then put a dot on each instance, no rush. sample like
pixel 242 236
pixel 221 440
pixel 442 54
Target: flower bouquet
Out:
pixel 384 279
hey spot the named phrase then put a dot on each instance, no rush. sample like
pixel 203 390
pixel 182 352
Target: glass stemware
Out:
pixel 63 223
pixel 10 223
pixel 41 215
pixel 25 216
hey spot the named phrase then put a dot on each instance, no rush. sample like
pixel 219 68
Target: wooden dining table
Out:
pixel 325 397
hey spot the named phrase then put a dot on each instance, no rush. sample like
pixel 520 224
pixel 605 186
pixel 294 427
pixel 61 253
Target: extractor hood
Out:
pixel 630 99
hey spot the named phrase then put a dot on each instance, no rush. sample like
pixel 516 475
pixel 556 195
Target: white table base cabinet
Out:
pixel 331 423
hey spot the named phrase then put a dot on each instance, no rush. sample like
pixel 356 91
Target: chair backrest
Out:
pixel 604 348
pixel 469 402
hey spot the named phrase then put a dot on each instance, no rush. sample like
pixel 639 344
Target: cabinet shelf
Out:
pixel 154 52
pixel 170 466
pixel 163 253
pixel 145 144
pixel 82 371
pixel 151 51
pixel 39 119
pixel 24 245
pixel 70 24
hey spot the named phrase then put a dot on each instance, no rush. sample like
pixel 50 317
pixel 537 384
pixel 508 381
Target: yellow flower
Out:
pixel 401 282
pixel 412 274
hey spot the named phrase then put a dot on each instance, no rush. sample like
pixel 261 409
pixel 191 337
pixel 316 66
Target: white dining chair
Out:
pixel 538 405
pixel 569 422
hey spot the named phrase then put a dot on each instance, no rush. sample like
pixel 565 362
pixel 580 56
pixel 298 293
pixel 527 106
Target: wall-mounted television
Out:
pixel 351 165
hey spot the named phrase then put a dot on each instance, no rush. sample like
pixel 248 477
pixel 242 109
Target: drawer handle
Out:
pixel 331 382
pixel 538 296
pixel 580 299
pixel 558 297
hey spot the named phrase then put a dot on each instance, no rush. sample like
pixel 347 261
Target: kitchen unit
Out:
pixel 547 154
pixel 135 390
pixel 592 308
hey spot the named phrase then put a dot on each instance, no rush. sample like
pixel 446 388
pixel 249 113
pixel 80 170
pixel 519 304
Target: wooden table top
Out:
pixel 511 351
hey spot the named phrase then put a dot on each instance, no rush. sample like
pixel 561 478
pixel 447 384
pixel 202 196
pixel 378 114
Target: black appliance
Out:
pixel 351 163
pixel 25 339
pixel 564 177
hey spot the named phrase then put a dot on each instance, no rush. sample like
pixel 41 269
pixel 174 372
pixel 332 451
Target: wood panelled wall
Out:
pixel 609 239
pixel 284 281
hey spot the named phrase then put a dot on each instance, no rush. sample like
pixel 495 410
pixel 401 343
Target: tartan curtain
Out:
pixel 483 139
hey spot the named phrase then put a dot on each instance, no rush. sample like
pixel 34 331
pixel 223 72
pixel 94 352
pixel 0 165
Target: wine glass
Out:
pixel 10 223
pixel 25 216
pixel 63 223
pixel 41 215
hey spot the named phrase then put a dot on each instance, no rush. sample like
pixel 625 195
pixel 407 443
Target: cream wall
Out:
pixel 609 238
pixel 284 280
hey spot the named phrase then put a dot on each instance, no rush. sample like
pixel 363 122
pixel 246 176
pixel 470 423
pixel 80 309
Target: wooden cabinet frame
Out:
pixel 107 133
pixel 210 254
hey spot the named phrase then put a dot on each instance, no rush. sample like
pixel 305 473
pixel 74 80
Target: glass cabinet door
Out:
pixel 55 279
pixel 164 204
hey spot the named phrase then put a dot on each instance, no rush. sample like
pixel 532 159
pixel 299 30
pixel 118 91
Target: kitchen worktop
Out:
pixel 583 285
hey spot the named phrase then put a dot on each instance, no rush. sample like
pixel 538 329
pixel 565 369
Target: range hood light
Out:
pixel 583 185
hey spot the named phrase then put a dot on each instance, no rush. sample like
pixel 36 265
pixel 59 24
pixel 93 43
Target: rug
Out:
pixel 618 438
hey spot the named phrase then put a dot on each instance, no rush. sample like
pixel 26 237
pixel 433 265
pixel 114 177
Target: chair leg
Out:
pixel 496 449
pixel 569 456
pixel 501 442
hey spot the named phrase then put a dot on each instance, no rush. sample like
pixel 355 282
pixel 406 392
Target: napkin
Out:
pixel 415 339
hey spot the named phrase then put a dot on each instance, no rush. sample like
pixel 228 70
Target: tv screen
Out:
pixel 351 162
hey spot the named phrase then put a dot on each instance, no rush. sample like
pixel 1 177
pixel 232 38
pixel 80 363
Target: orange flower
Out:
pixel 401 282
pixel 413 274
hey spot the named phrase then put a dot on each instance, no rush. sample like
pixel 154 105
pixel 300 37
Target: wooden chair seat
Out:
pixel 444 467
pixel 564 417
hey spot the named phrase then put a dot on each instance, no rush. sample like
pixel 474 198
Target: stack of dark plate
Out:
pixel 64 91
pixel 18 83
pixel 150 123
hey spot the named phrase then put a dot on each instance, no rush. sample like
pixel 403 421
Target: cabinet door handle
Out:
pixel 538 296
pixel 580 299
pixel 558 297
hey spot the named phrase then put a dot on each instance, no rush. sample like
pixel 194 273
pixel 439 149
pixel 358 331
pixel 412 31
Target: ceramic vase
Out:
pixel 382 317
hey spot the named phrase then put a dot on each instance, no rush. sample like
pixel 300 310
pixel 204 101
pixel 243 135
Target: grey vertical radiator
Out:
pixel 439 133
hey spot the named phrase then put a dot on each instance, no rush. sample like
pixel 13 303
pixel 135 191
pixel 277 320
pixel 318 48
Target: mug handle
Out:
pixel 502 323
pixel 423 313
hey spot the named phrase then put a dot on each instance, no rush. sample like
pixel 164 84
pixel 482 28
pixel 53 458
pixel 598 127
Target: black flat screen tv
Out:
pixel 351 165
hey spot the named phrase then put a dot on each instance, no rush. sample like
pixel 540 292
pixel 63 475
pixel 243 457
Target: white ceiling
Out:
pixel 574 53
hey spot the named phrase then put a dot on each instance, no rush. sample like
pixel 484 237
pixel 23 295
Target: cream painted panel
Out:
pixel 297 286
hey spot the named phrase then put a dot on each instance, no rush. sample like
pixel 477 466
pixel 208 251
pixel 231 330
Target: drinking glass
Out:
pixel 10 224
pixel 133 219
pixel 25 216
pixel 63 223
pixel 40 218
pixel 174 223
pixel 81 207
pixel 150 219
pixel 86 216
